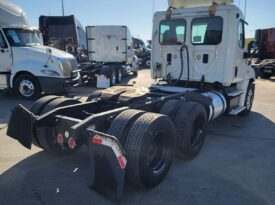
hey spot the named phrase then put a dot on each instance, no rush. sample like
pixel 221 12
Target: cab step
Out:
pixel 237 110
pixel 236 93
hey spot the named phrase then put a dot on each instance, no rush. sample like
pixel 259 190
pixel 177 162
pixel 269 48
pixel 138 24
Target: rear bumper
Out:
pixel 106 155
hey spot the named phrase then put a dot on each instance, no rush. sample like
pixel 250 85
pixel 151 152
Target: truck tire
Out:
pixel 47 136
pixel 26 86
pixel 36 109
pixel 135 73
pixel 265 75
pixel 249 99
pixel 169 108
pixel 147 63
pixel 95 94
pixel 190 122
pixel 59 102
pixel 38 105
pixel 121 125
pixel 150 147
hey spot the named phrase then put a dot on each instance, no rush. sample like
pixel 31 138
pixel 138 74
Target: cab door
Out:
pixel 5 55
pixel 240 67
pixel 172 38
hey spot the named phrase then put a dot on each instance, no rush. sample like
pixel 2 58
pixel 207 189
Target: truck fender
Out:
pixel 31 67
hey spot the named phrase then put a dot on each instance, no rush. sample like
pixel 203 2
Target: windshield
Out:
pixel 22 37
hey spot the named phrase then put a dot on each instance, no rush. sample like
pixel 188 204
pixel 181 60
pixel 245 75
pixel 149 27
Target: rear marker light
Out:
pixel 60 139
pixel 71 143
pixel 122 161
pixel 97 140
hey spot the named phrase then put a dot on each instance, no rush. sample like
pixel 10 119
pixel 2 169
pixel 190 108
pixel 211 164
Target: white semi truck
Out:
pixel 199 58
pixel 26 65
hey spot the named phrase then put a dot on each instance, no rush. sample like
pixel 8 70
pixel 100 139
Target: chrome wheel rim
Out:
pixel 26 88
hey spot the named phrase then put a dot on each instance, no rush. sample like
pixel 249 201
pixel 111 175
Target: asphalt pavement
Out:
pixel 236 165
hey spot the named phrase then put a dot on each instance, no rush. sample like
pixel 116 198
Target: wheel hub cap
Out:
pixel 26 88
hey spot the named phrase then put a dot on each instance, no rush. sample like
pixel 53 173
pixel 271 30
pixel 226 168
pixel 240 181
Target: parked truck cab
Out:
pixel 263 52
pixel 202 44
pixel 27 66
pixel 142 52
pixel 65 33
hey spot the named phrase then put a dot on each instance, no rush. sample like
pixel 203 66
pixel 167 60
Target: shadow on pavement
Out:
pixel 235 167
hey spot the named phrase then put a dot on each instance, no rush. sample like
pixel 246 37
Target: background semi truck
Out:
pixel 264 52
pixel 142 52
pixel 110 52
pixel 26 65
pixel 200 64
pixel 65 33
pixel 100 50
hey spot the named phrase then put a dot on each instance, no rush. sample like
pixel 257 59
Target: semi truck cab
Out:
pixel 202 44
pixel 27 66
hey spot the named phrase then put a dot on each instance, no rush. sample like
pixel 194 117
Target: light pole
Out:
pixel 245 5
pixel 62 8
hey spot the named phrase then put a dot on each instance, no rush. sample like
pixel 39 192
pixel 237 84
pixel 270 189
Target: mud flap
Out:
pixel 107 166
pixel 21 125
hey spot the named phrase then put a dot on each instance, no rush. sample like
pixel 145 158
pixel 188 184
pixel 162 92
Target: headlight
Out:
pixel 66 67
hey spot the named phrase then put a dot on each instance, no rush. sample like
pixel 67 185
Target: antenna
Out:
pixel 245 5
pixel 62 7
pixel 153 6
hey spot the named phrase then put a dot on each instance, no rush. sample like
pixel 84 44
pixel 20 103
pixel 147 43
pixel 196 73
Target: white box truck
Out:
pixel 27 66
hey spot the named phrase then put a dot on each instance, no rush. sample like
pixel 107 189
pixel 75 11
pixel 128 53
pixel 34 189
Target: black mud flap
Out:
pixel 20 126
pixel 107 166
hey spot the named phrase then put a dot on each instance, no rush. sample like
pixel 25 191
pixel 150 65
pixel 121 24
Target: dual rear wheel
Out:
pixel 149 141
pixel 47 137
pixel 190 119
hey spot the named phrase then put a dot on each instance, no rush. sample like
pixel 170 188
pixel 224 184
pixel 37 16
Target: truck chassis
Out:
pixel 123 130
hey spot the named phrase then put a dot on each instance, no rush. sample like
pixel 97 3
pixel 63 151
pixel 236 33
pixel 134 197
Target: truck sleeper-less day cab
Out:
pixel 26 65
pixel 198 54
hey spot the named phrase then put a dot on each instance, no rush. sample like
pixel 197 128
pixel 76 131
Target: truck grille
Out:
pixel 74 64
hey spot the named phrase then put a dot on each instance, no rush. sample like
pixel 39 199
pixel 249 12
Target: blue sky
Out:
pixel 137 15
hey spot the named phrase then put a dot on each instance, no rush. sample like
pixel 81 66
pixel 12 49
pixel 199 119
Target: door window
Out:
pixel 241 35
pixel 2 41
pixel 207 31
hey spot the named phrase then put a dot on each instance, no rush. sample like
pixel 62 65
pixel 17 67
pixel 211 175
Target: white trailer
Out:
pixel 27 66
